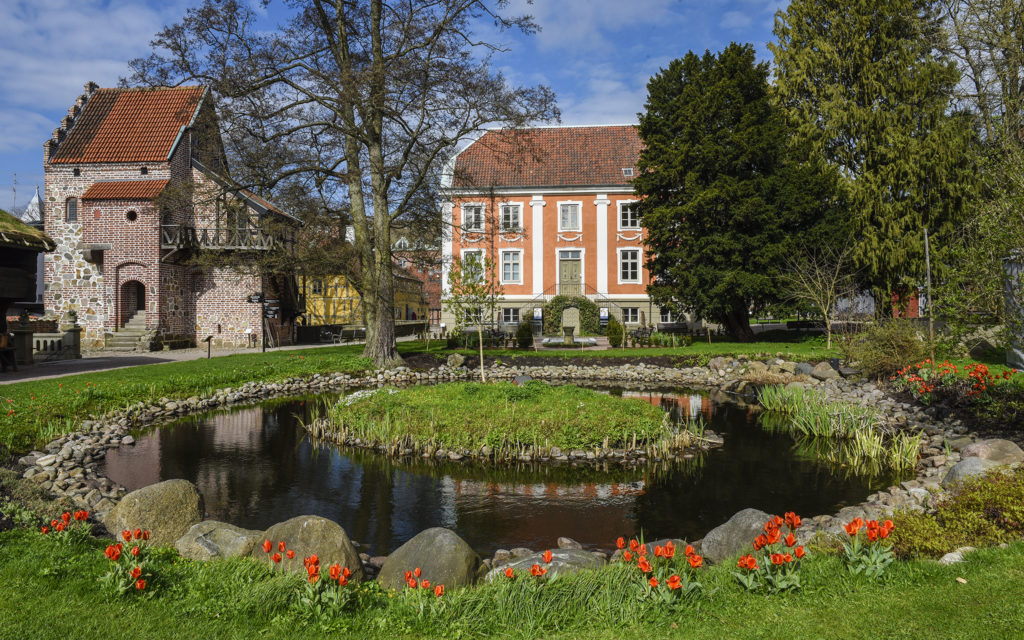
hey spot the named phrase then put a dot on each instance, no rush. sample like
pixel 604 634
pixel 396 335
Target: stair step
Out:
pixel 122 349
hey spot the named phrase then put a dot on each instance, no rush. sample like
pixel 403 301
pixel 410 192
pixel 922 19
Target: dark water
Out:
pixel 255 466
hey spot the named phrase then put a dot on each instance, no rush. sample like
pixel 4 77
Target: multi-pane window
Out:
pixel 473 217
pixel 510 267
pixel 318 287
pixel 628 216
pixel 630 315
pixel 569 216
pixel 510 315
pixel 629 265
pixel 473 266
pixel 510 217
pixel 71 210
pixel 666 316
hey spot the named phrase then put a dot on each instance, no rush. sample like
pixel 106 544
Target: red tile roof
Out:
pixel 125 190
pixel 129 125
pixel 549 156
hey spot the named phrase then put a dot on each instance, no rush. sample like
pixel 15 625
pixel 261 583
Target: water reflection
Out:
pixel 255 466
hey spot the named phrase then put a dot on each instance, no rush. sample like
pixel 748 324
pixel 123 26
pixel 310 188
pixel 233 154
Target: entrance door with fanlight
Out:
pixel 570 272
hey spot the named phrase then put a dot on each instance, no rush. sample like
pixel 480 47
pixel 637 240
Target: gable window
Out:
pixel 510 315
pixel 71 210
pixel 628 216
pixel 473 217
pixel 569 216
pixel 510 267
pixel 630 315
pixel 510 217
pixel 629 265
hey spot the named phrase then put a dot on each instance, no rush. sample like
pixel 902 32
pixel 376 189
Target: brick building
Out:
pixel 136 183
pixel 552 207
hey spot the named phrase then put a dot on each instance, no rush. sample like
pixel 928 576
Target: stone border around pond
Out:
pixel 68 466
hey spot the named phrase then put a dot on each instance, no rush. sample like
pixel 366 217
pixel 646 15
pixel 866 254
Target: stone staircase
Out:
pixel 127 337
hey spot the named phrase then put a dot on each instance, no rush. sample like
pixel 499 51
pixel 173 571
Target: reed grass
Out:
pixel 839 433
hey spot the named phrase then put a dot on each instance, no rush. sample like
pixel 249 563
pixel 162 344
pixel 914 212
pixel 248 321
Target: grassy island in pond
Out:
pixel 505 417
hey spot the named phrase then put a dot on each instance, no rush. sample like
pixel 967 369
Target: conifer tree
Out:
pixel 722 203
pixel 870 94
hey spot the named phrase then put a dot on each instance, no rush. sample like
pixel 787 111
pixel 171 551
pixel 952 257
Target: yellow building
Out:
pixel 332 300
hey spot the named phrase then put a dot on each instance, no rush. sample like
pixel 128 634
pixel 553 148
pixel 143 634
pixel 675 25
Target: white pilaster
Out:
pixel 447 242
pixel 537 243
pixel 602 203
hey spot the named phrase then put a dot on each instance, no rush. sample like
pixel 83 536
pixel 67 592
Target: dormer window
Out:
pixel 627 172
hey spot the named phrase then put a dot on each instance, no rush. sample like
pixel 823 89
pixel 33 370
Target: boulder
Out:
pixel 456 360
pixel 309 535
pixel 210 540
pixel 442 556
pixel 803 369
pixel 965 469
pixel 824 371
pixel 756 366
pixel 955 557
pixel 718 362
pixel 167 509
pixel 996 450
pixel 787 367
pixel 735 536
pixel 563 561
pixel 568 543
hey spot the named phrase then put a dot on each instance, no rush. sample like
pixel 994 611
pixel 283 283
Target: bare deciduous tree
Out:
pixel 361 102
pixel 822 278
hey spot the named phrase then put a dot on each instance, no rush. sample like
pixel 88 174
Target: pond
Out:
pixel 256 466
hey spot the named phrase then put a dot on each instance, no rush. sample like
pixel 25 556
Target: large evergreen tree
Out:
pixel 870 94
pixel 722 203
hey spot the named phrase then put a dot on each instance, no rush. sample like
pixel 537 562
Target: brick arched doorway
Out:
pixel 133 300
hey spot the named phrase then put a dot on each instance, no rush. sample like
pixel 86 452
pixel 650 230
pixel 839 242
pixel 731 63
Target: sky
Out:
pixel 597 55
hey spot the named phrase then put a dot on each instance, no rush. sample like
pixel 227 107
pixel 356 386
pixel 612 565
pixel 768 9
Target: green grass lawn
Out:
pixel 502 415
pixel 37 411
pixel 53 591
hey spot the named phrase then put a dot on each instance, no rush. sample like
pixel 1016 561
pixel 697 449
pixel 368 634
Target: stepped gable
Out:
pixel 127 125
pixel 125 190
pixel 549 157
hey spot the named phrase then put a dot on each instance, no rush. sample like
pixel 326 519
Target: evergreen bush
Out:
pixel 524 335
pixel 614 332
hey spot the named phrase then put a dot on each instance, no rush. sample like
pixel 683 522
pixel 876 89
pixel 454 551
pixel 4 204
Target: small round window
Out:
pixel 132 216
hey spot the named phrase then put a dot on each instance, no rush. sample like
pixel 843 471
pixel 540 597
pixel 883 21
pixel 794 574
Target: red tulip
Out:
pixel 60 527
pixel 138 534
pixel 547 556
pixel 140 584
pixel 674 582
pixel 334 571
pixel 281 546
pixel 509 573
pixel 408 576
pixel 634 545
pixel 145 534
pixel 290 553
pixel 424 584
pixel 653 582
pixel 416 572
pixel 135 551
pixel 644 565
pixel 66 517
pixel 696 561
pixel 620 543
pixel 276 557
pixel 790 540
pixel 439 590
pixel 670 550
pixel 627 556
pixel 45 530
pixel 136 572
pixel 798 552
pixel 537 571
pixel 411 583
pixel 127 535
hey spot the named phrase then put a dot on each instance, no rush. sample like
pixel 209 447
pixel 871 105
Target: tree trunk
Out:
pixel 480 342
pixel 737 323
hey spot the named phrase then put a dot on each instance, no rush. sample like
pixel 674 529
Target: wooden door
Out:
pixel 570 276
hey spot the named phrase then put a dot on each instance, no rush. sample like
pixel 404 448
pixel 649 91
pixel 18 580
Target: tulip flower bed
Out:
pixel 53 591
pixel 35 412
pixel 503 416
pixel 947 381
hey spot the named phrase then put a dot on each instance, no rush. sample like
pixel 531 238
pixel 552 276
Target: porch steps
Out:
pixel 127 337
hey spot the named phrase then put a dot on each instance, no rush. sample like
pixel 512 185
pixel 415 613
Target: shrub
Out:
pixel 884 348
pixel 524 335
pixel 982 511
pixel 614 332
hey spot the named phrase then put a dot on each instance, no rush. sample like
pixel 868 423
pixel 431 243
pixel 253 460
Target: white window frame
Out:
pixel 618 220
pixel 518 206
pixel 483 259
pixel 666 313
pixel 508 309
pixel 483 217
pixel 635 310
pixel 579 216
pixel 639 265
pixel 519 253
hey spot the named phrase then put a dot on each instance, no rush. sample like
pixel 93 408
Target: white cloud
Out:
pixel 21 129
pixel 735 20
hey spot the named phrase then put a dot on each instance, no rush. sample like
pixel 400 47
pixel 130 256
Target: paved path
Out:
pixel 105 361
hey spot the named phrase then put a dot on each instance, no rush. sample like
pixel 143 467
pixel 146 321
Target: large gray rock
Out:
pixel 210 540
pixel 442 556
pixel 456 360
pixel 804 369
pixel 824 371
pixel 563 561
pixel 167 509
pixel 998 451
pixel 309 535
pixel 965 469
pixel 735 536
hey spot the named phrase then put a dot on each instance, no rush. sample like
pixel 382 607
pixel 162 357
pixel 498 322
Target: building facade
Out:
pixel 553 210
pixel 332 300
pixel 135 185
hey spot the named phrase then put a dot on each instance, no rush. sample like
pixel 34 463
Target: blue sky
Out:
pixel 596 54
